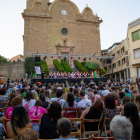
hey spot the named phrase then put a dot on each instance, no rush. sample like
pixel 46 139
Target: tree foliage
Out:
pixel 30 65
pixel 3 59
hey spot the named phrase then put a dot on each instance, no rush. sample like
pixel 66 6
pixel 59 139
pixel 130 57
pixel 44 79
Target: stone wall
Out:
pixel 12 70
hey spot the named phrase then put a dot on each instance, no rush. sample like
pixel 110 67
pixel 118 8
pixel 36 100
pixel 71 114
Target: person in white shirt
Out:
pixel 84 103
pixel 59 98
pixel 121 80
pixel 106 91
pixel 29 101
pixel 130 80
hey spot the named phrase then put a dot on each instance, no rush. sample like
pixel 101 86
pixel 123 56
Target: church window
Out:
pixel 64 31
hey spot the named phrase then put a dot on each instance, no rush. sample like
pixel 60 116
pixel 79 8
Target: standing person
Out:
pixel 137 102
pixel 29 101
pixel 35 113
pixel 18 122
pixel 84 103
pixel 130 80
pixel 48 122
pixel 121 81
pixel 42 74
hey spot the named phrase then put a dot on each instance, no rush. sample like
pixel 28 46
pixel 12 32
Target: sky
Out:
pixel 116 14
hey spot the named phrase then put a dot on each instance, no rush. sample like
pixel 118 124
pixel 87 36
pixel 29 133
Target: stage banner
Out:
pixel 37 70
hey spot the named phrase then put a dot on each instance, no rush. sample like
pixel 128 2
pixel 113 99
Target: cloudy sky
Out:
pixel 116 15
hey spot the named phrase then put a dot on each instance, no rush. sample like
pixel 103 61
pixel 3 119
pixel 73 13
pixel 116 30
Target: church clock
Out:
pixel 64 12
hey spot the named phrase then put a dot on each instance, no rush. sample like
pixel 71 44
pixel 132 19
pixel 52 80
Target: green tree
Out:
pixel 3 59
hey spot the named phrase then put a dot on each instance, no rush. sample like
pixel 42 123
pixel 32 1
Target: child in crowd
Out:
pixel 64 128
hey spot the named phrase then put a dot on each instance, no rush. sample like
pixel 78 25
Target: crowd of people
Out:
pixel 120 102
pixel 70 75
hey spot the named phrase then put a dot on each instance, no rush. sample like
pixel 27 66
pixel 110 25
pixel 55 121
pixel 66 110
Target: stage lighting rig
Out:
pixel 44 57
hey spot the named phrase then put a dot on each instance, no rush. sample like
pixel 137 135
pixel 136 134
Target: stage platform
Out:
pixel 86 80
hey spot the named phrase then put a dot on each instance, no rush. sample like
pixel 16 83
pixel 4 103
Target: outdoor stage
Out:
pixel 86 80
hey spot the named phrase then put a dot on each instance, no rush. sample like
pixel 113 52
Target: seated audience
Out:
pixel 100 90
pixel 125 100
pixel 35 95
pixel 121 95
pixel 35 113
pixel 8 92
pixel 14 94
pixel 137 102
pixel 59 98
pixel 18 122
pixel 44 102
pixel 131 112
pixel 84 103
pixel 127 94
pixel 2 131
pixel 3 98
pixel 106 91
pixel 48 122
pixel 53 92
pixel 15 101
pixel 64 128
pixel 96 96
pixel 121 128
pixel 24 93
pixel 29 101
pixel 93 112
pixel 27 134
pixel 77 95
pixel 70 104
pixel 48 96
pixel 90 93
pixel 110 109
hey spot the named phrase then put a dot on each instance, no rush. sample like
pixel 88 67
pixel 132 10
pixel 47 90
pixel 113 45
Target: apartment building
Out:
pixel 133 36
pixel 126 61
pixel 119 65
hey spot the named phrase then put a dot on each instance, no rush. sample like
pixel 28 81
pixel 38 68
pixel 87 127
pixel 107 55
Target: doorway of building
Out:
pixel 67 58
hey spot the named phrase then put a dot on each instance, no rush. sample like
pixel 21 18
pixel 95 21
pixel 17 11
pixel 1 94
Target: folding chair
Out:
pixel 79 131
pixel 92 132
pixel 104 126
pixel 103 138
pixel 72 110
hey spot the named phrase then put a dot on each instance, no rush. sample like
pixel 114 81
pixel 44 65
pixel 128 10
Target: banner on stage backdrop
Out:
pixel 37 70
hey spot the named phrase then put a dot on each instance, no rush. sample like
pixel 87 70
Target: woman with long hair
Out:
pixel 93 112
pixel 29 101
pixel 35 113
pixel 19 121
pixel 131 112
pixel 15 101
pixel 14 94
pixel 77 95
pixel 44 102
pixel 70 104
pixel 48 122
pixel 137 102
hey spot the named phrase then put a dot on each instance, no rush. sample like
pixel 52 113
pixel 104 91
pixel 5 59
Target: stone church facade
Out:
pixel 59 27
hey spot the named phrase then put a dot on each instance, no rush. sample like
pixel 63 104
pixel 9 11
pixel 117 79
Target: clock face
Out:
pixel 64 12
